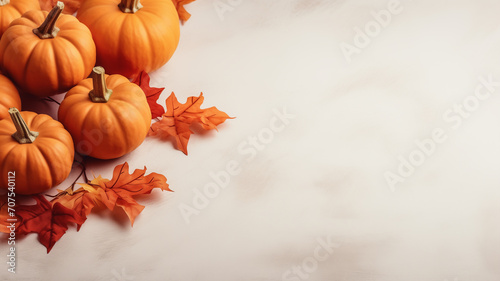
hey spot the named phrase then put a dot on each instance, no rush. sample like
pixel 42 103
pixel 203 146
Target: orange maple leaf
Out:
pixel 179 5
pixel 81 201
pixel 177 120
pixel 70 6
pixel 49 221
pixel 119 191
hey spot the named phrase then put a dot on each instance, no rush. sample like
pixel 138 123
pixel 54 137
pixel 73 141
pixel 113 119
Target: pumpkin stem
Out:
pixel 4 2
pixel 23 134
pixel 100 93
pixel 48 28
pixel 130 6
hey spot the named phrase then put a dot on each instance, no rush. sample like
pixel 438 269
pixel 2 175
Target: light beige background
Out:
pixel 322 176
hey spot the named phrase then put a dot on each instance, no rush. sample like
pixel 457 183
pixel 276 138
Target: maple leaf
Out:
pixel 49 221
pixel 177 120
pixel 152 94
pixel 119 191
pixel 179 5
pixel 70 6
pixel 81 201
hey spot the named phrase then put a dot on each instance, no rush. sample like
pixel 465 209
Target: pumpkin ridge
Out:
pixel 47 166
pixel 46 124
pixel 57 63
pixel 9 11
pixel 5 168
pixel 12 147
pixel 38 121
pixel 28 60
pixel 11 44
pixel 150 39
pixel 16 7
pixel 69 45
pixel 83 111
pixel 45 156
pixel 123 125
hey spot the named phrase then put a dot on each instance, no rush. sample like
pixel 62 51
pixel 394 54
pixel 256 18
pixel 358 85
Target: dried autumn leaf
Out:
pixel 152 94
pixel 177 120
pixel 70 6
pixel 49 221
pixel 179 5
pixel 119 191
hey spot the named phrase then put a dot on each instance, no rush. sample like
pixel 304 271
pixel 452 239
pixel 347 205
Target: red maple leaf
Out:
pixel 152 94
pixel 49 221
pixel 177 120
pixel 179 5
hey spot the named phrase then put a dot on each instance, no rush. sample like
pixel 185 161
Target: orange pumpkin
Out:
pixel 107 115
pixel 131 35
pixel 45 53
pixel 13 9
pixel 37 149
pixel 9 97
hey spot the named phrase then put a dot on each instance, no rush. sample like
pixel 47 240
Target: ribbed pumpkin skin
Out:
pixel 106 130
pixel 45 67
pixel 14 10
pixel 129 43
pixel 40 165
pixel 9 97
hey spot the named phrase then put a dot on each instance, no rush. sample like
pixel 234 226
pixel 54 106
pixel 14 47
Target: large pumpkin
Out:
pixel 131 35
pixel 37 149
pixel 9 97
pixel 13 9
pixel 107 115
pixel 45 53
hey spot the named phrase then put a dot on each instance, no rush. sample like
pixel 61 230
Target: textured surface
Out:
pixel 320 178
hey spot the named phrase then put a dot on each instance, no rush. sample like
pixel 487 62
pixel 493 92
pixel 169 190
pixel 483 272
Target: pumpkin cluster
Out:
pixel 48 53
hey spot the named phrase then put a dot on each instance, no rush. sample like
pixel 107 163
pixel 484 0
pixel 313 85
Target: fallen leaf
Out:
pixel 152 94
pixel 179 5
pixel 70 6
pixel 81 201
pixel 49 221
pixel 119 191
pixel 177 120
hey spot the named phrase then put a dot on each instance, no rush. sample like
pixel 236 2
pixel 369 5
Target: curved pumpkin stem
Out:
pixel 4 2
pixel 23 134
pixel 100 93
pixel 130 6
pixel 48 28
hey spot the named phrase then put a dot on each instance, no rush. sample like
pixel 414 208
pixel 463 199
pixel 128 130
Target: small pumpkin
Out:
pixel 131 35
pixel 107 115
pixel 9 97
pixel 47 53
pixel 13 9
pixel 37 148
